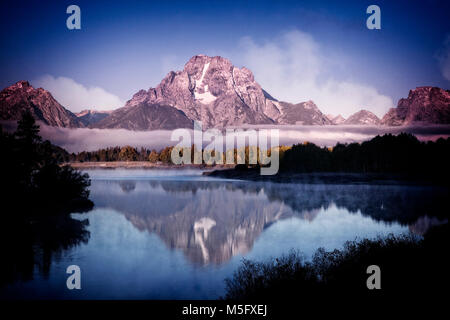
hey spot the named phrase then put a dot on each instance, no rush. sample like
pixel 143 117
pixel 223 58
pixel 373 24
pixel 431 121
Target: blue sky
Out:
pixel 296 49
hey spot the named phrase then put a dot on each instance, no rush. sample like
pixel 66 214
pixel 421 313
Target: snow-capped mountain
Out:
pixel 424 105
pixel 363 117
pixel 21 96
pixel 212 90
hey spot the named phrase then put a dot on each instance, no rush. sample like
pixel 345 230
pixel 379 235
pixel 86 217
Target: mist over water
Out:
pixel 84 139
pixel 145 174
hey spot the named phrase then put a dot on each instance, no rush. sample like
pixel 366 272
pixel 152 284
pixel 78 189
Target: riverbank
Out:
pixel 343 271
pixel 141 165
pixel 253 174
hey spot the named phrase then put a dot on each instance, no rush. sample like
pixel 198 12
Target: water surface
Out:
pixel 175 234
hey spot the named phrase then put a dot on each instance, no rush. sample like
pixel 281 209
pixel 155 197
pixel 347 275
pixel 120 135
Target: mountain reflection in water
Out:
pixel 178 235
pixel 212 221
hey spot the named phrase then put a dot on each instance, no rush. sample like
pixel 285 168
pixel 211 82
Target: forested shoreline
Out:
pixel 402 153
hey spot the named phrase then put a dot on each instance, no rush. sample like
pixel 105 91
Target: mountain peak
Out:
pixel 423 105
pixel 212 90
pixel 21 84
pixel 363 117
pixel 21 96
pixel 339 119
pixel 427 90
pixel 217 93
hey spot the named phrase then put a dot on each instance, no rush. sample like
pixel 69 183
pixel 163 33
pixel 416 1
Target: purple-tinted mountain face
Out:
pixel 21 96
pixel 339 119
pixel 146 116
pixel 424 105
pixel 212 90
pixel 306 113
pixel 363 117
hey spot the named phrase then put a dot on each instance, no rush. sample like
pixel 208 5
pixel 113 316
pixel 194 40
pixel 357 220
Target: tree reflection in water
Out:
pixel 30 244
pixel 212 221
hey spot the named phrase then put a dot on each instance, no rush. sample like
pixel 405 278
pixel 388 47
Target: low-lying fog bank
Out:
pixel 84 139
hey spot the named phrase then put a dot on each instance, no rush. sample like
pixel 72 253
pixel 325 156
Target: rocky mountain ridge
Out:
pixel 363 117
pixel 422 106
pixel 339 119
pixel 21 96
pixel 146 116
pixel 213 91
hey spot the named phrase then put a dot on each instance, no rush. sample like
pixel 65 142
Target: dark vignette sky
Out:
pixel 124 46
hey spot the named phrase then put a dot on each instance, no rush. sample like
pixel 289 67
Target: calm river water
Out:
pixel 156 234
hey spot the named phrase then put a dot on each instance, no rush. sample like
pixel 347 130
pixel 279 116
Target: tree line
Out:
pixel 402 153
pixel 129 153
pixel 126 153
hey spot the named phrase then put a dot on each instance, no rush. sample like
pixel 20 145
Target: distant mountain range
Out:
pixel 362 117
pixel 89 117
pixel 339 119
pixel 212 90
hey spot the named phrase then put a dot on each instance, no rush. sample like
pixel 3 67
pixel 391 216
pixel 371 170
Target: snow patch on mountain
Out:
pixel 205 97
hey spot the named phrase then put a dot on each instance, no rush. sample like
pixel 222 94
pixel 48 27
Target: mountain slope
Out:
pixel 212 90
pixel 305 113
pixel 146 116
pixel 21 96
pixel 339 119
pixel 90 117
pixel 363 117
pixel 424 105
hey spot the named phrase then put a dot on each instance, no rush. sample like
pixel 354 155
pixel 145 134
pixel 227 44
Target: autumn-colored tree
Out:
pixel 128 153
pixel 165 155
pixel 153 157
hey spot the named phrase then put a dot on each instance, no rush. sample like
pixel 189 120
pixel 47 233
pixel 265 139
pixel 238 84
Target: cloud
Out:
pixel 84 139
pixel 293 68
pixel 76 97
pixel 443 57
pixel 76 140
